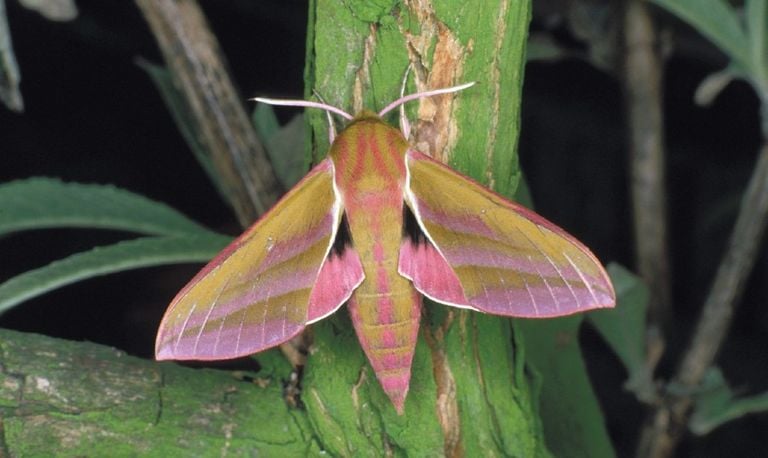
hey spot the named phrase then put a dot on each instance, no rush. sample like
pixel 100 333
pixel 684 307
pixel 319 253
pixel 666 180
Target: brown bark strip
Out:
pixel 444 70
pixel 356 387
pixel 363 74
pixel 446 405
pixel 194 58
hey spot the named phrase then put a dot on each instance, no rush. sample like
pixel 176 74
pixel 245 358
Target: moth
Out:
pixel 379 225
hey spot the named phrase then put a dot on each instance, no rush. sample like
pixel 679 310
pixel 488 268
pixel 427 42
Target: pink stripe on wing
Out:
pixel 538 301
pixel 466 223
pixel 284 249
pixel 526 262
pixel 261 291
pixel 230 342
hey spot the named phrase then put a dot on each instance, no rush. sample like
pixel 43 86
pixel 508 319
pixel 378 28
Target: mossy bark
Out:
pixel 82 399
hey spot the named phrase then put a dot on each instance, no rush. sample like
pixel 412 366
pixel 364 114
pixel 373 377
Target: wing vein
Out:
pixel 214 302
pixel 559 273
pixel 184 327
pixel 242 322
pixel 538 271
pixel 583 279
pixel 528 289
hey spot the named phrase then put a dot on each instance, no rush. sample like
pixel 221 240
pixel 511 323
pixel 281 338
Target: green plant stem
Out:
pixel 643 67
pixel 10 77
pixel 193 56
pixel 668 423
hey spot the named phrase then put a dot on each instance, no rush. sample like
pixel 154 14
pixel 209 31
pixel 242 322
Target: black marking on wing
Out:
pixel 343 238
pixel 411 228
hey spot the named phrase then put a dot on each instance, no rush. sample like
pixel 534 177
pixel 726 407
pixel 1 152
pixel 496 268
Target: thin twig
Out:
pixel 669 421
pixel 193 56
pixel 10 77
pixel 642 79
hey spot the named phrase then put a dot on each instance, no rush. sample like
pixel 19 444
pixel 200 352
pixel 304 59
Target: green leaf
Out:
pixel 716 404
pixel 286 151
pixel 623 328
pixel 284 145
pixel 542 47
pixel 265 121
pixel 177 105
pixel 756 15
pixel 571 415
pixel 523 193
pixel 717 21
pixel 39 203
pixel 125 255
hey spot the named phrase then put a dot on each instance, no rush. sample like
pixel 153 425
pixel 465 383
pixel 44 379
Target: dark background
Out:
pixel 92 115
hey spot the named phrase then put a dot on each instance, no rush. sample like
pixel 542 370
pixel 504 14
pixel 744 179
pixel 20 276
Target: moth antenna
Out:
pixel 405 126
pixel 331 125
pixel 421 95
pixel 305 104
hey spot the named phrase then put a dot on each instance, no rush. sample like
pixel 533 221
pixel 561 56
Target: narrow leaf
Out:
pixel 573 423
pixel 131 254
pixel 717 404
pixel 756 15
pixel 717 21
pixel 284 145
pixel 713 84
pixel 542 47
pixel 623 328
pixel 265 121
pixel 39 203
